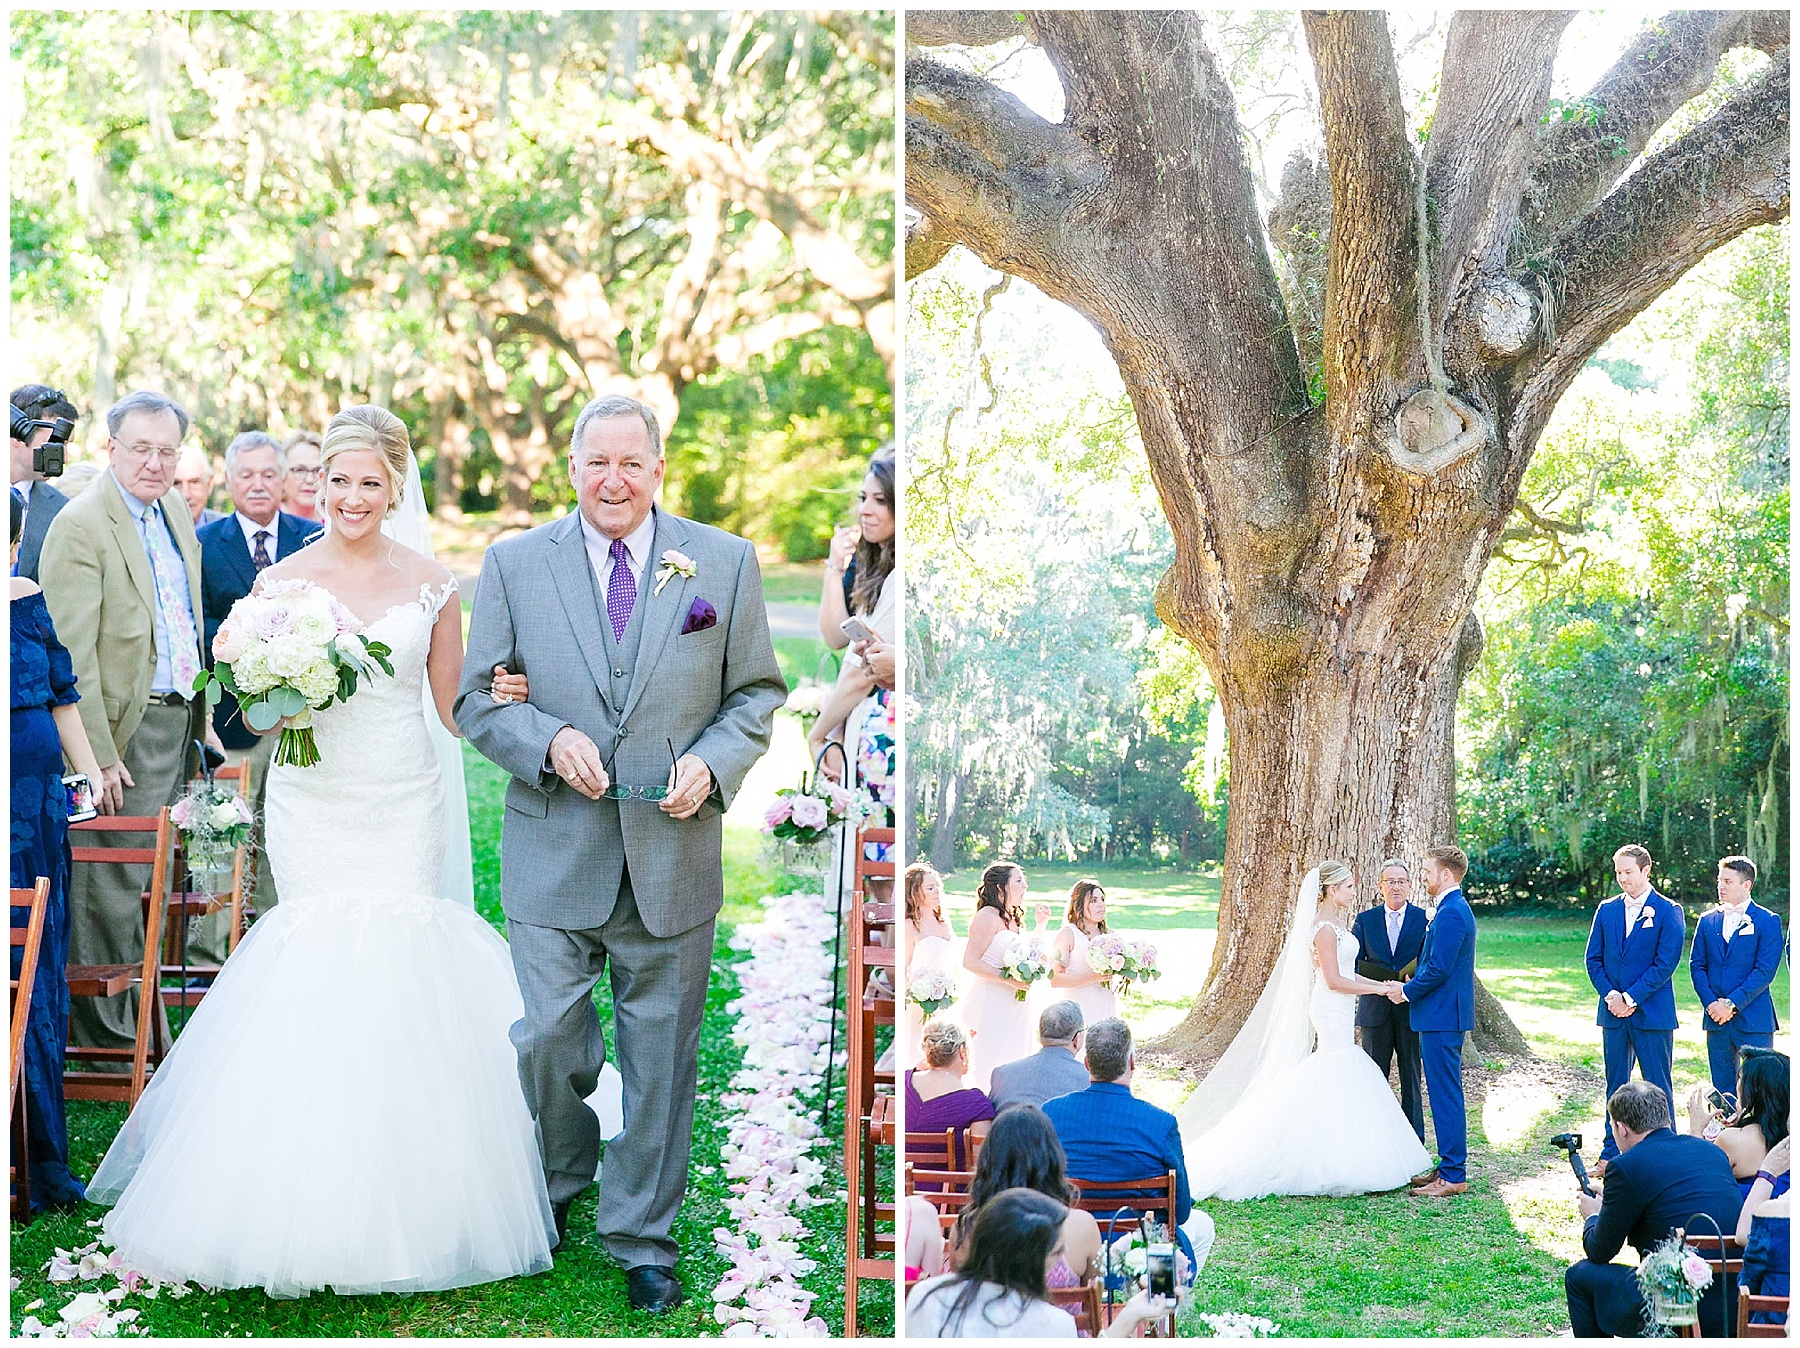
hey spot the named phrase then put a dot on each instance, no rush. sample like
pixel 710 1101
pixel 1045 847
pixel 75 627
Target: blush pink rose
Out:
pixel 229 642
pixel 810 812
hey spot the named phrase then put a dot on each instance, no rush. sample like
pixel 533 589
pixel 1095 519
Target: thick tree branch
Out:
pixel 1723 177
pixel 1300 229
pixel 1496 83
pixel 925 247
pixel 962 27
pixel 1372 320
pixel 1671 61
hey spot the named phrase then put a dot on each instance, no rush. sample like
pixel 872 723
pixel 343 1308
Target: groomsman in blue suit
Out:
pixel 1737 950
pixel 1442 998
pixel 1632 952
pixel 1389 938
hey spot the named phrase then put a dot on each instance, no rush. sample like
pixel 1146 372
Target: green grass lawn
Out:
pixel 584 1294
pixel 1488 1263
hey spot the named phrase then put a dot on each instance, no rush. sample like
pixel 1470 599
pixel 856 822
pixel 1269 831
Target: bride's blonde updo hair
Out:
pixel 1332 873
pixel 367 426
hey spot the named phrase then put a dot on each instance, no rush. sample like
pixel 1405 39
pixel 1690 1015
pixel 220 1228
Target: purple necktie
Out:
pixel 621 589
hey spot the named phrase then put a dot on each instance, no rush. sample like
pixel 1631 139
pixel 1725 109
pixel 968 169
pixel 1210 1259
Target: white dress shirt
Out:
pixel 637 544
pixel 1736 915
pixel 251 529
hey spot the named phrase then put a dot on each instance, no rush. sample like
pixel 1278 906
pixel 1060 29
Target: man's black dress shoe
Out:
pixel 653 1289
pixel 561 1212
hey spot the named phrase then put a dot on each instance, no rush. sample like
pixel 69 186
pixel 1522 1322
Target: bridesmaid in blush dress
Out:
pixel 999 1020
pixel 1069 969
pixel 930 944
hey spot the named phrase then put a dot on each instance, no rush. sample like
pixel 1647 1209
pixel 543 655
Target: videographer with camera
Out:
pixel 1659 1181
pixel 37 448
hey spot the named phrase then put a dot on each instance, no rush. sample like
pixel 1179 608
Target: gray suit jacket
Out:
pixel 711 693
pixel 39 511
pixel 1046 1074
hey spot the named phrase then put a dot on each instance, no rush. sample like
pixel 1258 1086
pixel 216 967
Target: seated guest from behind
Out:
pixel 1763 1227
pixel 1109 1135
pixel 924 1239
pixel 1001 1292
pixel 1055 1069
pixel 1021 1152
pixel 1658 1181
pixel 1760 1120
pixel 936 1097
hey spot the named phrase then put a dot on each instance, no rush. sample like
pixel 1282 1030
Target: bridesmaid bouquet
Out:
pixel 289 652
pixel 931 990
pixel 1025 963
pixel 1127 962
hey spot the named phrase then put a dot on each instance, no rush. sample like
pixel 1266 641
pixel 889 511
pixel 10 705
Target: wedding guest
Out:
pixel 303 457
pixel 1084 919
pixel 924 1239
pixel 937 1098
pixel 1736 953
pixel 46 732
pixel 1763 1227
pixel 992 1008
pixel 121 570
pixel 233 552
pixel 1632 953
pixel 40 402
pixel 1021 1152
pixel 930 944
pixel 194 480
pixel 1108 1134
pixel 1389 939
pixel 1656 1182
pixel 1055 1069
pixel 1002 1289
pixel 1760 1120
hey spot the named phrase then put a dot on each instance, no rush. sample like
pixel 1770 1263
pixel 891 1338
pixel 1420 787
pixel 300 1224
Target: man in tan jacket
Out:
pixel 121 574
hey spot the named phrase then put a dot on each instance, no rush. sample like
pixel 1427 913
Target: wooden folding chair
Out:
pixel 109 980
pixel 1726 1259
pixel 1749 1304
pixel 1082 1302
pixel 28 940
pixel 1154 1194
pixel 869 1107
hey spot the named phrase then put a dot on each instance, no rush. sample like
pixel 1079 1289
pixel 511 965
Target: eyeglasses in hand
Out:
pixel 617 792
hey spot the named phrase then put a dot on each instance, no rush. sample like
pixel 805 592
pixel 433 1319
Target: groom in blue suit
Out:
pixel 1632 953
pixel 1737 951
pixel 1442 998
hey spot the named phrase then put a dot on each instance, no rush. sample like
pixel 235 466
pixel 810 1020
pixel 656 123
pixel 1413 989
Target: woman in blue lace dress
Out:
pixel 45 728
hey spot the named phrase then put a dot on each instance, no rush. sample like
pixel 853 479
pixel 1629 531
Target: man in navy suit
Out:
pixel 1108 1134
pixel 1389 939
pixel 1632 953
pixel 1659 1180
pixel 1442 995
pixel 1737 951
pixel 232 551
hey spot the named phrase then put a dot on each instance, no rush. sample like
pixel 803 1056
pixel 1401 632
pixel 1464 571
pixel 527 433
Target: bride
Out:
pixel 1276 1115
pixel 343 1110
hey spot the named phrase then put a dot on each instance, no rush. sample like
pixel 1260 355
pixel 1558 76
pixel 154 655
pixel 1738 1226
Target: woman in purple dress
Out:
pixel 936 1098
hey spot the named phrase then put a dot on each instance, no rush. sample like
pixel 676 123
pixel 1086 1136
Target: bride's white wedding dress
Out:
pixel 343 1110
pixel 1269 1120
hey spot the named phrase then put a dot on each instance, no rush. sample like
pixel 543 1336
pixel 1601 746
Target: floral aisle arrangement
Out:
pixel 95 1312
pixel 214 821
pixel 1025 963
pixel 931 990
pixel 1127 961
pixel 783 1019
pixel 802 818
pixel 1238 1325
pixel 1672 1278
pixel 288 652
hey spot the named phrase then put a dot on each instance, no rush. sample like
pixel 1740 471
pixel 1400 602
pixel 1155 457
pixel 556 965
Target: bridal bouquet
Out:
pixel 1126 962
pixel 931 990
pixel 213 821
pixel 289 652
pixel 1025 963
pixel 806 814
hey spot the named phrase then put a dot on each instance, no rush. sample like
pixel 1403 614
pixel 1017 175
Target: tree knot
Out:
pixel 1433 429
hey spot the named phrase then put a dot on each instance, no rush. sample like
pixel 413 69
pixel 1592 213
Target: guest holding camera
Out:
pixel 46 732
pixel 1746 1134
pixel 1736 953
pixel 1656 1183
pixel 1001 1290
pixel 40 402
pixel 1633 950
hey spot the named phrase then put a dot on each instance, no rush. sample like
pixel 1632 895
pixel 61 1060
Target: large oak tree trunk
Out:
pixel 1328 554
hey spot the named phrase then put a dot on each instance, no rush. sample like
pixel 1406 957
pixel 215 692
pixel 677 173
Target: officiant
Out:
pixel 1389 938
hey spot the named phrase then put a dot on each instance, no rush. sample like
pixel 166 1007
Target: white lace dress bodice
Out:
pixel 343 1109
pixel 1334 1013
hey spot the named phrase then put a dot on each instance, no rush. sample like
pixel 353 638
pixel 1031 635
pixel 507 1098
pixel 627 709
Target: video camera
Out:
pixel 47 459
pixel 1571 1143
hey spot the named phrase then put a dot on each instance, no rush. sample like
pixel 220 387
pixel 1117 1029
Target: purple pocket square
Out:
pixel 700 617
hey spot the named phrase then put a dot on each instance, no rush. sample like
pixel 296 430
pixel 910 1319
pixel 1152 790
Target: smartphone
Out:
pixel 1159 1270
pixel 80 793
pixel 857 630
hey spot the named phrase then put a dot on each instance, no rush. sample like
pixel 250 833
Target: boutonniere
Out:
pixel 674 564
pixel 1649 918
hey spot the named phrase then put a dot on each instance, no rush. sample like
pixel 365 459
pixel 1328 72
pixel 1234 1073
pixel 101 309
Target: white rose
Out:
pixel 316 625
pixel 225 814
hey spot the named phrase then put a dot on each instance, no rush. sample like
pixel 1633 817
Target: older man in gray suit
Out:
pixel 653 690
pixel 1055 1069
